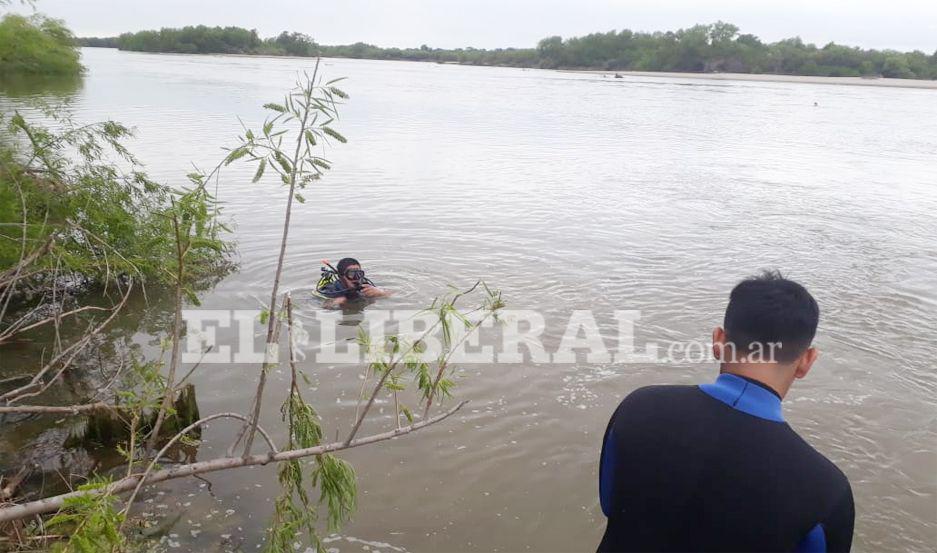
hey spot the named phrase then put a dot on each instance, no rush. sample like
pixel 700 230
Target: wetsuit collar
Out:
pixel 746 395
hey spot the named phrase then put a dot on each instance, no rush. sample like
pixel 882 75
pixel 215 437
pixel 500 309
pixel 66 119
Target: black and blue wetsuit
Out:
pixel 716 468
pixel 336 289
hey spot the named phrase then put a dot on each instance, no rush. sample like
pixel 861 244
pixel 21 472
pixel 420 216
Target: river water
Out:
pixel 567 192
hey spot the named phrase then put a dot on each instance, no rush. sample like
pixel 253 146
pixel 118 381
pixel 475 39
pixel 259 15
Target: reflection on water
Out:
pixel 567 192
pixel 60 451
pixel 40 86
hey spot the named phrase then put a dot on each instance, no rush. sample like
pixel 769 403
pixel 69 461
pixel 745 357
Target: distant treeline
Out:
pixel 702 48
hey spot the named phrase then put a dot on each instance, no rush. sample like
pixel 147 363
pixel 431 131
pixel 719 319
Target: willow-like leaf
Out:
pixel 275 107
pixel 260 170
pixel 338 92
pixel 334 134
pixel 339 488
pixel 235 155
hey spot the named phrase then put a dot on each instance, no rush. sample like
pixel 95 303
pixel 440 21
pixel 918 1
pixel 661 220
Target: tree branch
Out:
pixel 11 331
pixel 56 409
pixel 51 504
pixel 170 393
pixel 270 342
pixel 177 437
pixel 28 390
pixel 393 365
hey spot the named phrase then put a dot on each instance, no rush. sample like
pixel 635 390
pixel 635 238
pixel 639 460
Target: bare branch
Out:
pixel 270 343
pixel 177 437
pixel 393 365
pixel 12 331
pixel 7 491
pixel 169 394
pixel 444 363
pixel 30 389
pixel 56 409
pixel 195 366
pixel 51 504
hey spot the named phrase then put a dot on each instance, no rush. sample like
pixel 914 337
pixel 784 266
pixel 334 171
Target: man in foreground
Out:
pixel 715 467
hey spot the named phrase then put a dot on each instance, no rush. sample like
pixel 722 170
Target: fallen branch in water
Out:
pixel 52 504
pixel 176 438
pixel 15 329
pixel 57 409
pixel 30 389
pixel 10 484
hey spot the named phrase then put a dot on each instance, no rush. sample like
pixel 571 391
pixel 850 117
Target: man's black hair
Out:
pixel 770 309
pixel 345 263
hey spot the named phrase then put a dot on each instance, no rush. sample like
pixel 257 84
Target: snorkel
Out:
pixel 329 265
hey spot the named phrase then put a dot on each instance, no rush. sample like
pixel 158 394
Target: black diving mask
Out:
pixel 354 274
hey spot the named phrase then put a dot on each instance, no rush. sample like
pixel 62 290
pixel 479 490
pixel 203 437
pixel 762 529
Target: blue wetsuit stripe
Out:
pixel 813 542
pixel 741 395
pixel 606 472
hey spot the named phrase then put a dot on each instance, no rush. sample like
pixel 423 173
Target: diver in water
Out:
pixel 346 283
pixel 715 467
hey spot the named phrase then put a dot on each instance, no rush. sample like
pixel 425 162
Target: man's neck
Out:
pixel 769 374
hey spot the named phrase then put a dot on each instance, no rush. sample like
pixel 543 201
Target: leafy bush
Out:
pixel 69 209
pixel 37 45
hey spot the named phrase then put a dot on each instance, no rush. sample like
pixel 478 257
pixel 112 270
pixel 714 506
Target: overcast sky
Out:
pixel 896 24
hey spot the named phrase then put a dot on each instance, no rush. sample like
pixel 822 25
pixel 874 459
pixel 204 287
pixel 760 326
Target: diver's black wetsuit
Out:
pixel 716 468
pixel 336 289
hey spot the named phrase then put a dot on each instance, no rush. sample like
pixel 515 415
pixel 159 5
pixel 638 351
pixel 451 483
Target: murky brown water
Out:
pixel 567 192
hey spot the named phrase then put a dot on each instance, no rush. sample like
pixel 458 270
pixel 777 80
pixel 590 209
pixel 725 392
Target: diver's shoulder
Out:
pixel 658 392
pixel 817 460
pixel 656 402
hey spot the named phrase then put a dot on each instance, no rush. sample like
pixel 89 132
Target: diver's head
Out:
pixel 350 272
pixel 768 329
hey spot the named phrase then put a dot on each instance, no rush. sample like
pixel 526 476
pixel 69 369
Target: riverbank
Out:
pixel 630 185
pixel 753 77
pixel 767 77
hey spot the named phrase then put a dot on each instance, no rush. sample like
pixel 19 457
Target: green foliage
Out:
pixel 304 116
pixel 715 47
pixel 37 45
pixel 209 40
pixel 143 388
pixel 193 217
pixel 720 47
pixel 432 380
pixel 91 522
pixel 304 429
pixel 294 512
pixel 338 488
pixel 95 42
pixel 86 217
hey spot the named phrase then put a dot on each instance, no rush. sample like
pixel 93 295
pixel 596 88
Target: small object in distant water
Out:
pixel 618 75
pixel 815 104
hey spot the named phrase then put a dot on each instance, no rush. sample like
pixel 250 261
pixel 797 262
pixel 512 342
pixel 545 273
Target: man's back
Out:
pixel 715 468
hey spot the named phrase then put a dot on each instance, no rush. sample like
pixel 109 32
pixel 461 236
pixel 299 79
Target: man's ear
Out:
pixel 719 343
pixel 804 362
